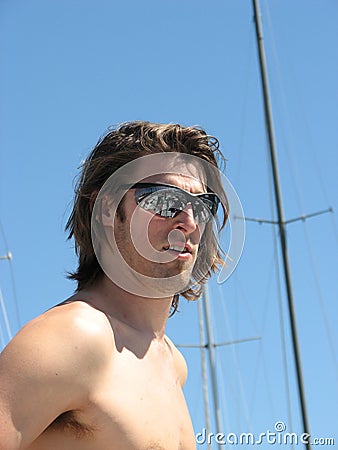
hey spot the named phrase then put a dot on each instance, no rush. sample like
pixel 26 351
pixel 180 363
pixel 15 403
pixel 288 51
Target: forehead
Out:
pixel 186 182
pixel 176 171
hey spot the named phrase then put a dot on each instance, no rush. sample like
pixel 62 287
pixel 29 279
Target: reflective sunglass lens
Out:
pixel 169 201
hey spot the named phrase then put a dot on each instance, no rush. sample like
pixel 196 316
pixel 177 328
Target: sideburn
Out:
pixel 120 213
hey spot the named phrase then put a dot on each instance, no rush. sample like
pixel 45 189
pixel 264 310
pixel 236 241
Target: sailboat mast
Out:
pixel 204 373
pixel 280 212
pixel 212 361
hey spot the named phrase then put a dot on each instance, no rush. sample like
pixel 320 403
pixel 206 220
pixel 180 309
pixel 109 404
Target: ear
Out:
pixel 107 215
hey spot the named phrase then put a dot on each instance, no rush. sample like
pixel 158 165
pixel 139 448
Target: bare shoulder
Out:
pixel 63 342
pixel 179 361
pixel 74 329
pixel 81 322
pixel 51 366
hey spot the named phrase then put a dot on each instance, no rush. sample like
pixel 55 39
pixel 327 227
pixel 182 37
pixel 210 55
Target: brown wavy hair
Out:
pixel 116 148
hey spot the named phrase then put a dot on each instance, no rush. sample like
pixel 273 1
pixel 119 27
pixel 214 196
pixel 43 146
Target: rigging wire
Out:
pixel 11 270
pixel 260 355
pixel 261 360
pixel 227 400
pixel 283 336
pixel 259 331
pixel 5 316
pixel 279 295
pixel 298 191
pixel 224 402
pixel 243 296
pixel 229 381
pixel 221 385
pixel 266 305
pixel 240 295
pixel 286 115
pixel 245 110
pixel 2 339
pixel 321 303
pixel 235 359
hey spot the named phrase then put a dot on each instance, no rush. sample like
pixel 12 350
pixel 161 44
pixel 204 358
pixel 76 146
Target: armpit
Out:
pixel 68 423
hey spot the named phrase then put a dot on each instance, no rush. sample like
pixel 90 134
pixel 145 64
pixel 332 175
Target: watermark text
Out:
pixel 279 437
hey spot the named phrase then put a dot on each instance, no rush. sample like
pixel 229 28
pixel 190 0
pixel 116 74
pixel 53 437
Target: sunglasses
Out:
pixel 168 201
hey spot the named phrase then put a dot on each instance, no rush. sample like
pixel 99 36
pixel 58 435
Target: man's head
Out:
pixel 127 143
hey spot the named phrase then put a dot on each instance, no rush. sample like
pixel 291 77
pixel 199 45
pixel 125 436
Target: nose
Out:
pixel 185 220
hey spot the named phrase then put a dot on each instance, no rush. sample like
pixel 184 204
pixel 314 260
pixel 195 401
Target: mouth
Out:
pixel 178 248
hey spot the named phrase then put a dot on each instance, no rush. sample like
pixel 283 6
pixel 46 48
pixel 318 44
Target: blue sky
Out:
pixel 70 69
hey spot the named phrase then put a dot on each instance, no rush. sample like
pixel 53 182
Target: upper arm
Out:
pixel 48 368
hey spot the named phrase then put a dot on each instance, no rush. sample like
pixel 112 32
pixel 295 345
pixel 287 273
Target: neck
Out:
pixel 147 315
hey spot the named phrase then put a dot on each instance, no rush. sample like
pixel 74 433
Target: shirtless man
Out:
pixel 97 371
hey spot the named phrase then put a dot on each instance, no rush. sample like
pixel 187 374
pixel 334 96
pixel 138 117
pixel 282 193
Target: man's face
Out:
pixel 157 246
pixel 149 245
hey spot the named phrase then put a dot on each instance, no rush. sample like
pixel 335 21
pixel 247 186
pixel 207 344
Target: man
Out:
pixel 97 371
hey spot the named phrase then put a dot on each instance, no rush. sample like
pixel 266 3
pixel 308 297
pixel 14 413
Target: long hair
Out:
pixel 119 146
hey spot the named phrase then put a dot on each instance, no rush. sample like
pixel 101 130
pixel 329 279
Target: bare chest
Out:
pixel 143 406
pixel 139 405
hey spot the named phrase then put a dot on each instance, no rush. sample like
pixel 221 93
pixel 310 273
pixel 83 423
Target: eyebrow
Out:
pixel 152 184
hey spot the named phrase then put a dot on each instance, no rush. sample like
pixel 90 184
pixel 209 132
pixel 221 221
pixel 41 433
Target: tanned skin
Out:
pixel 98 372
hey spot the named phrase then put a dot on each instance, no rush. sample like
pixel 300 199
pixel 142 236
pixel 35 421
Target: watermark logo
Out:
pixel 279 436
pixel 280 426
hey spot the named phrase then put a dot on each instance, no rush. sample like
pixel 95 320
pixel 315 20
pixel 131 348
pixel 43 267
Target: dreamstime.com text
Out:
pixel 277 437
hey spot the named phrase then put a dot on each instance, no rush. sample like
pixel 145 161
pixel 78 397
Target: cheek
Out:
pixel 146 227
pixel 157 230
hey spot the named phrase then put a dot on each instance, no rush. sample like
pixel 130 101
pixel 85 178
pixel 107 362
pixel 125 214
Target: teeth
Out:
pixel 176 248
